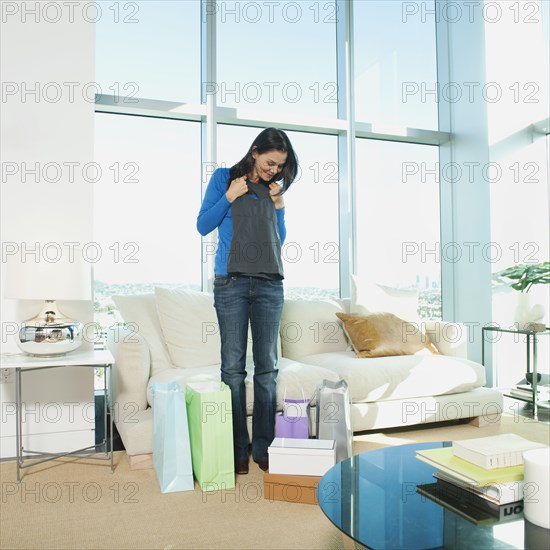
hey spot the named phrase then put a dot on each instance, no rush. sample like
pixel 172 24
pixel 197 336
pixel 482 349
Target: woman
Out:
pixel 245 203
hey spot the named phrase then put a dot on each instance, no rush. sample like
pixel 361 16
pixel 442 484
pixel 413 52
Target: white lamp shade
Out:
pixel 39 279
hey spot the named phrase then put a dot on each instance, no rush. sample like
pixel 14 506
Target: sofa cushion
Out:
pixel 190 327
pixel 384 334
pixel 384 378
pixel 132 366
pixel 368 297
pixel 295 378
pixel 310 326
pixel 139 311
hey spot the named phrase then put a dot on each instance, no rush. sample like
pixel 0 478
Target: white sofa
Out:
pixel 172 336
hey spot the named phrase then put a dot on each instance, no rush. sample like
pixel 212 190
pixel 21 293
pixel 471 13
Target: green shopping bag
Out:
pixel 211 434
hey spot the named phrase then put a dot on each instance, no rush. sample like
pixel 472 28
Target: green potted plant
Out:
pixel 524 277
pixel 527 275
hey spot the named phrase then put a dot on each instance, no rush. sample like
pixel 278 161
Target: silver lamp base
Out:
pixel 50 333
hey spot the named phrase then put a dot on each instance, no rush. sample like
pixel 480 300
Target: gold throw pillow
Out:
pixel 384 334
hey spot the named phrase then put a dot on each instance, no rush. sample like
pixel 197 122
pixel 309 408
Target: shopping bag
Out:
pixel 171 448
pixel 333 415
pixel 211 434
pixel 293 421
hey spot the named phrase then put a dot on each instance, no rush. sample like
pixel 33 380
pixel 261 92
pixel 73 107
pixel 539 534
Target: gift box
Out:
pixel 306 457
pixel 290 488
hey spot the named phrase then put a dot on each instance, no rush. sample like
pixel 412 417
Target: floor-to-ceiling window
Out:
pixel 277 58
pixel 397 201
pixel 287 68
pixel 395 63
pixel 354 84
pixel 148 195
pixel 397 184
pixel 149 49
pixel 145 206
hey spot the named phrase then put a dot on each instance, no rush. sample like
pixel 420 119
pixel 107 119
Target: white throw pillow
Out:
pixel 139 311
pixel 190 327
pixel 368 297
pixel 311 326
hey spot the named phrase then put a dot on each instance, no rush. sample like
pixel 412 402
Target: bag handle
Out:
pixel 304 400
pixel 303 395
pixel 314 420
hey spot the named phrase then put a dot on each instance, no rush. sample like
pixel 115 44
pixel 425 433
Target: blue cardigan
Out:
pixel 215 213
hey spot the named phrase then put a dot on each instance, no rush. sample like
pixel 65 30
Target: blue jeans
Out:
pixel 238 300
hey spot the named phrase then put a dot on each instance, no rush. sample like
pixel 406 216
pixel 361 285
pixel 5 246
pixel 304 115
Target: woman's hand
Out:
pixel 274 189
pixel 237 188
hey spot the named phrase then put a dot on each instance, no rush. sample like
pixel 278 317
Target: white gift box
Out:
pixel 307 457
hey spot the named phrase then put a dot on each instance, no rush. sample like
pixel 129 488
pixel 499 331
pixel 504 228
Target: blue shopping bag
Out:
pixel 171 447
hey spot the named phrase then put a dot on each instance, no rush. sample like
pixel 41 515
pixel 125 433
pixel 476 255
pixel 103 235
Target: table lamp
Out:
pixel 50 333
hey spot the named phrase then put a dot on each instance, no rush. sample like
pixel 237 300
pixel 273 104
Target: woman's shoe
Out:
pixel 241 467
pixel 263 464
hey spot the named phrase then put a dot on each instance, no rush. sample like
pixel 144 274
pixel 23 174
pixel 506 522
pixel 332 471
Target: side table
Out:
pixel 23 363
pixel 531 359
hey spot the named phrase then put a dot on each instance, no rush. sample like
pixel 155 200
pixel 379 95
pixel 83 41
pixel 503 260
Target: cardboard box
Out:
pixel 289 488
pixel 305 457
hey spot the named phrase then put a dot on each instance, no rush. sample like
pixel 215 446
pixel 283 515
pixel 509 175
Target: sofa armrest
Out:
pixel 131 371
pixel 449 338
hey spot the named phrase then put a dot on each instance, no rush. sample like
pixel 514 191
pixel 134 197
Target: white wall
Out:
pixel 42 56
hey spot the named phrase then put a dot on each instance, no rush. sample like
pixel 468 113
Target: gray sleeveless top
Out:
pixel 255 249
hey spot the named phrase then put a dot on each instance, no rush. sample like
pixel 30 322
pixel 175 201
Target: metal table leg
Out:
pixel 111 413
pixel 18 427
pixel 534 383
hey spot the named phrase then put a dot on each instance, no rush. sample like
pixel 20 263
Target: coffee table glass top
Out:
pixel 373 498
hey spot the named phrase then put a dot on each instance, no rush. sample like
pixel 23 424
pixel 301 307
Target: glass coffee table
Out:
pixel 373 499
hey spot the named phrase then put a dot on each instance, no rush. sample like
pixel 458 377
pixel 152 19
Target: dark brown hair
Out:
pixel 268 140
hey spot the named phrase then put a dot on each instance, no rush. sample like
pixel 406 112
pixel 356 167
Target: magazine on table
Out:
pixel 467 505
pixel 497 493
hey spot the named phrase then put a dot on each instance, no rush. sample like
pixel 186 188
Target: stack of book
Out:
pixel 480 479
pixel 525 391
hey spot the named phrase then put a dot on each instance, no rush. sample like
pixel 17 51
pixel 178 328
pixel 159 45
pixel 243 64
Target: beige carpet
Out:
pixel 81 505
